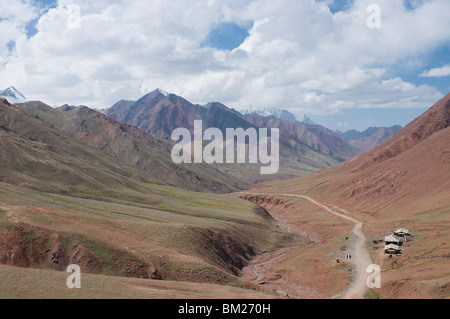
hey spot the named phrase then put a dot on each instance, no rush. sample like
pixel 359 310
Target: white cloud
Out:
pixel 14 15
pixel 437 72
pixel 299 56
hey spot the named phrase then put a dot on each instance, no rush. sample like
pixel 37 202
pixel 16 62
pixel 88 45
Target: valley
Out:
pixel 191 237
pixel 249 149
pixel 79 187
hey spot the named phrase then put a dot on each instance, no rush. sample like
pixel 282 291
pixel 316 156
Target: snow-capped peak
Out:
pixel 270 111
pixel 163 92
pixel 13 95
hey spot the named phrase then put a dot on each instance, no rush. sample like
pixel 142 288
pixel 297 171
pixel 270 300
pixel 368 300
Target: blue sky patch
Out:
pixel 437 59
pixel 226 36
pixel 46 3
pixel 44 6
pixel 340 5
pixel 31 27
pixel 410 69
pixel 412 4
pixel 11 45
pixel 361 119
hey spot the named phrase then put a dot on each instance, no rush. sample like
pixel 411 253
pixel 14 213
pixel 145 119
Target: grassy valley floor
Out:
pixel 167 234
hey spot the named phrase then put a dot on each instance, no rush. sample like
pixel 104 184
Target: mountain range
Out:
pixel 159 114
pixel 152 154
pixel 156 115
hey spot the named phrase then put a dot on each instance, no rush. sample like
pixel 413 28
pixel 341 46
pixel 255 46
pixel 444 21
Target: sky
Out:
pixel 313 57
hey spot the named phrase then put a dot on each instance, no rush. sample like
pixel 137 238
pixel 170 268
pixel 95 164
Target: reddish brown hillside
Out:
pixel 435 119
pixel 402 183
pixel 412 164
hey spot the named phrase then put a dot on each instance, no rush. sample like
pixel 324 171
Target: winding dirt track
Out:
pixel 360 254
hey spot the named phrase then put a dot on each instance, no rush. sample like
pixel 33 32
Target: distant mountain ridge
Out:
pixel 354 134
pixel 371 137
pixel 317 137
pixel 67 108
pixel 159 114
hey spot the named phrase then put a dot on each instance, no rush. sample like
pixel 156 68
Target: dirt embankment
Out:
pixel 224 252
pixel 267 202
pixel 31 247
pixel 278 205
pixel 27 246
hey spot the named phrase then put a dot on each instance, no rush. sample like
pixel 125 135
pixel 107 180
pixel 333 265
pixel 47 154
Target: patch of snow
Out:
pixel 163 92
pixel 270 111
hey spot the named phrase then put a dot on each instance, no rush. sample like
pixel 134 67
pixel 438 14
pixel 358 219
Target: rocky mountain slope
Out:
pixel 297 133
pixel 132 147
pixel 159 114
pixel 152 154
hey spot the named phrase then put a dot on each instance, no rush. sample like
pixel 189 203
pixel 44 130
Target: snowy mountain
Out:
pixel 270 111
pixel 13 95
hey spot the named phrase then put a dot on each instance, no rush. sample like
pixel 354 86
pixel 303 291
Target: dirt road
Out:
pixel 360 254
